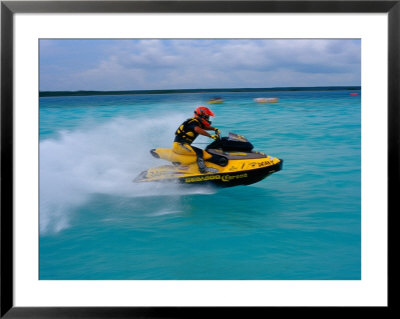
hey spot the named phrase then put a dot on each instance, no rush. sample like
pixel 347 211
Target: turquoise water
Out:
pixel 302 223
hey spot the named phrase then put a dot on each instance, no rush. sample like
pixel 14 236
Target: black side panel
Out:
pixel 218 159
pixel 229 145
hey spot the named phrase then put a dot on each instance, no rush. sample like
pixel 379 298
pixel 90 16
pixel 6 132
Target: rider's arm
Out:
pixel 210 128
pixel 199 130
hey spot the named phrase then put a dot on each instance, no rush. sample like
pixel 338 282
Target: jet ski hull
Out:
pixel 230 162
pixel 236 172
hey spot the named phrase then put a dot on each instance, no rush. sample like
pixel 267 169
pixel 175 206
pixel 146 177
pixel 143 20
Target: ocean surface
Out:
pixel 301 223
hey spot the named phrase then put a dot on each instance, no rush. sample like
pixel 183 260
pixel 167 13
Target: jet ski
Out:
pixel 216 100
pixel 230 161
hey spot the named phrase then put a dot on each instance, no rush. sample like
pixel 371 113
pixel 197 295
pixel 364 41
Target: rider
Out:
pixel 189 130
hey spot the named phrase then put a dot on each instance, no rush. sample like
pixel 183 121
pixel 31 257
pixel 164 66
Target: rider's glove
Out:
pixel 217 131
pixel 215 137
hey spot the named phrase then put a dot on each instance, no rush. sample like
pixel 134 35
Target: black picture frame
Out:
pixel 9 8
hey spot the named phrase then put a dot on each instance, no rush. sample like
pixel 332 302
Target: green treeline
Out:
pixel 85 93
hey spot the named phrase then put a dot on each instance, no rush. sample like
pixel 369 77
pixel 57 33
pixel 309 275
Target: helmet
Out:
pixel 203 114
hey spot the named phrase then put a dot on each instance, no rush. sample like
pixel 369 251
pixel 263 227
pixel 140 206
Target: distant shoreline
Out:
pixel 177 91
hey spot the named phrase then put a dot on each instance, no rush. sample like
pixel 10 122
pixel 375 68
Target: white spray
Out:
pixel 100 159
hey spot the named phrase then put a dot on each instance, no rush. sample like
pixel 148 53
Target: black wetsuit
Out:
pixel 186 134
pixel 186 131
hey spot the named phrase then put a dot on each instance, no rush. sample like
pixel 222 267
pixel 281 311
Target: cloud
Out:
pixel 192 63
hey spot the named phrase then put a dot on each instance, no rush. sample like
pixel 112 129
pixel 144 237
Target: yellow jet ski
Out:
pixel 230 161
pixel 216 100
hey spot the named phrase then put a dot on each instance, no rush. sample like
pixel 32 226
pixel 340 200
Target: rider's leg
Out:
pixel 200 160
pixel 186 149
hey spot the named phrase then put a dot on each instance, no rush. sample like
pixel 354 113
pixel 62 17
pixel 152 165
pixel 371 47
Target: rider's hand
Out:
pixel 217 131
pixel 214 136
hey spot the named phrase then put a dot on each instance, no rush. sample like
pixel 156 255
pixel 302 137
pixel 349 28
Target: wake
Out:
pixel 101 159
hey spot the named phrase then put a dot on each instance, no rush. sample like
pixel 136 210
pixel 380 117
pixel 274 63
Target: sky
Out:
pixel 162 64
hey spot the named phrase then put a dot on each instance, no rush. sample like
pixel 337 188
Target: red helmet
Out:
pixel 203 114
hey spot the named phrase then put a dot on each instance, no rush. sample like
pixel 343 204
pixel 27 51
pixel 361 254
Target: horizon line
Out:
pixel 201 90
